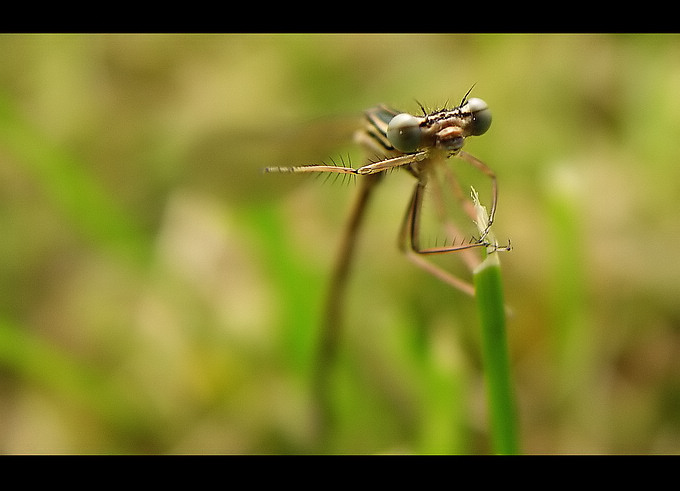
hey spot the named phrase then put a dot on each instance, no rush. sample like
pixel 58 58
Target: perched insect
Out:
pixel 418 144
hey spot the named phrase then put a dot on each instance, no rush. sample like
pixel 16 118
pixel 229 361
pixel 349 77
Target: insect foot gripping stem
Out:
pixel 483 225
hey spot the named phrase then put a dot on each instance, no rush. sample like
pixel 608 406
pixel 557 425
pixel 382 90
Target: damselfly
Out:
pixel 418 144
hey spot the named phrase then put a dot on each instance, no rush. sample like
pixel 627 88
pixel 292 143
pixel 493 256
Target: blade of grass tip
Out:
pixel 491 309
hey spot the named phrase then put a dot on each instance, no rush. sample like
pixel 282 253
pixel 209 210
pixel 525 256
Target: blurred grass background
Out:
pixel 159 294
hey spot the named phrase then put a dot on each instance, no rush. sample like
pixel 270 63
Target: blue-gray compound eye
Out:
pixel 481 116
pixel 404 132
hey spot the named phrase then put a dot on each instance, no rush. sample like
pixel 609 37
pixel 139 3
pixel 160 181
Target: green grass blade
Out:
pixel 488 284
pixel 491 309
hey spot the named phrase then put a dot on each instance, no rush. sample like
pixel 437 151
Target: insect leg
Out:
pixel 312 168
pixel 410 232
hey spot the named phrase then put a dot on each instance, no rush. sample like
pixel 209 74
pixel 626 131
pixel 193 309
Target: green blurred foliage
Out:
pixel 159 294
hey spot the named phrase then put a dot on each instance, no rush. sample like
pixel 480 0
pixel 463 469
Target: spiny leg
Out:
pixel 311 168
pixel 412 225
pixel 410 230
pixel 366 170
pixel 468 256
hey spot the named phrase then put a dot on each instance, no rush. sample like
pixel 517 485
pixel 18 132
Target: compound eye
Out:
pixel 481 116
pixel 404 132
